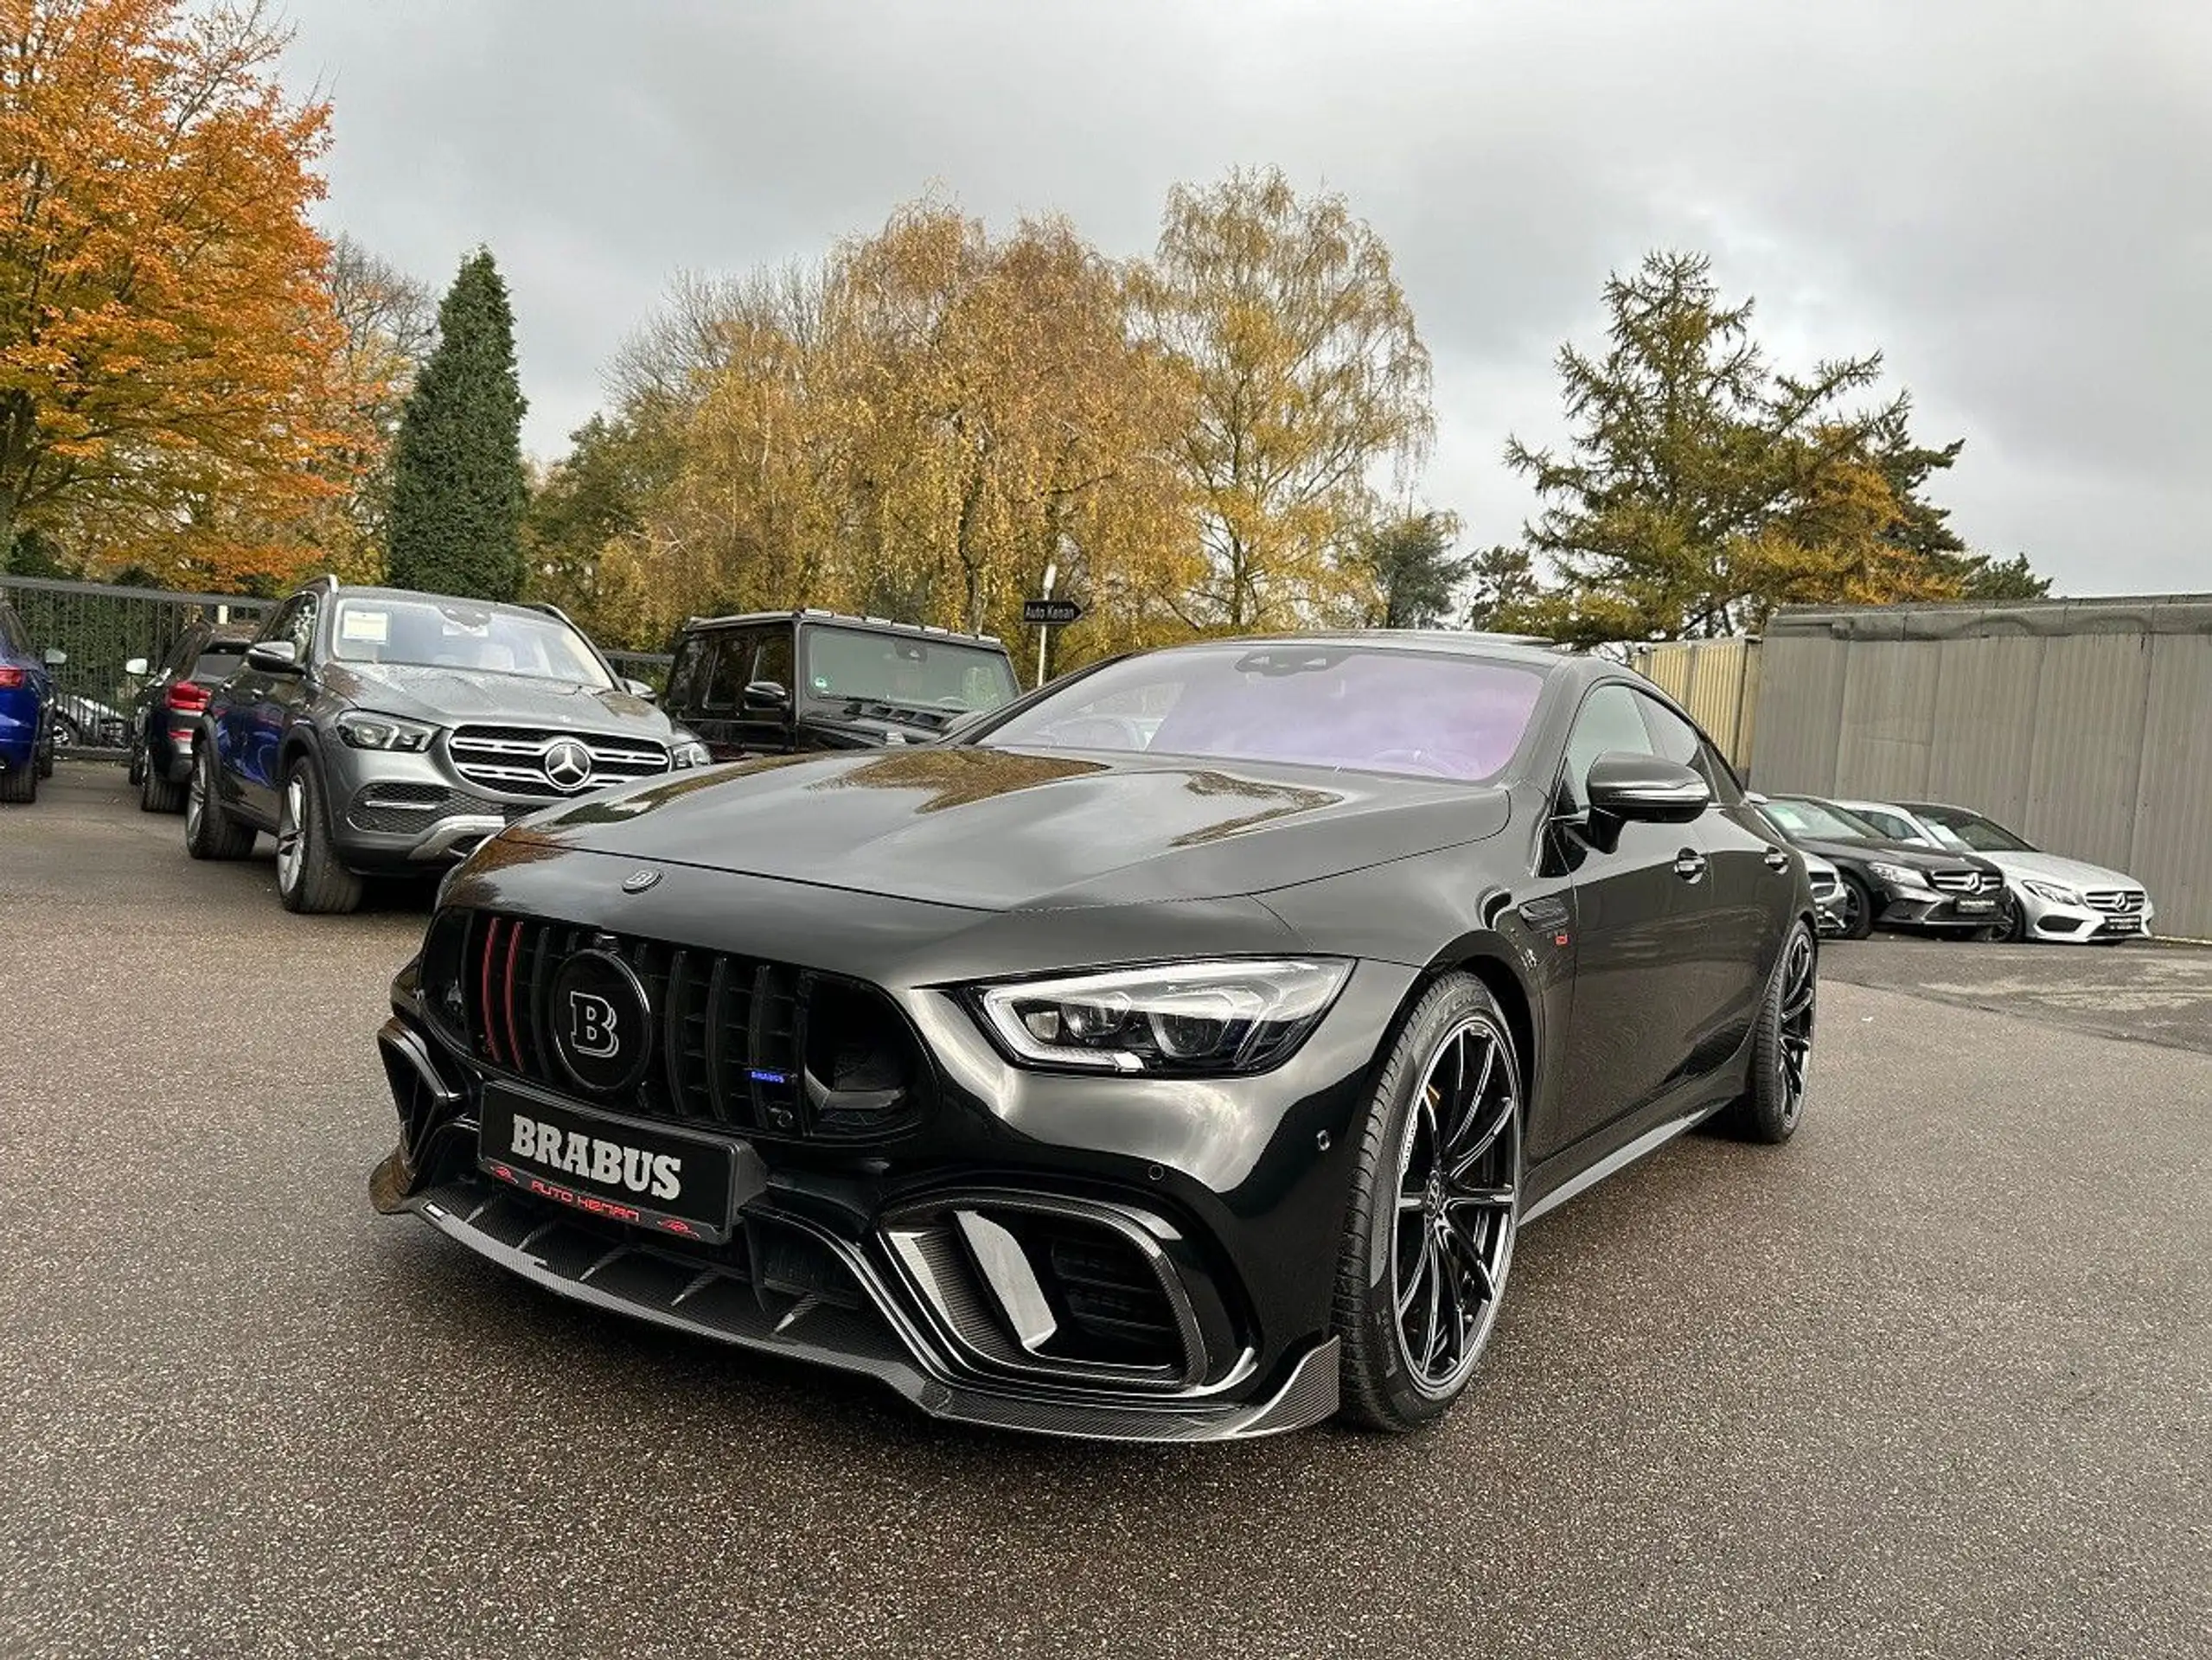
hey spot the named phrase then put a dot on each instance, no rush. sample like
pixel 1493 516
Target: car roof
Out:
pixel 513 606
pixel 1456 642
pixel 815 613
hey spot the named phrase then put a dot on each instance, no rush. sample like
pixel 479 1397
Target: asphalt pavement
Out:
pixel 1935 1379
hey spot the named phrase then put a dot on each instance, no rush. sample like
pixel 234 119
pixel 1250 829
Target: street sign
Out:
pixel 1055 613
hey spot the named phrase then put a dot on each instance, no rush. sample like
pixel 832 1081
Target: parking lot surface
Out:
pixel 1935 1379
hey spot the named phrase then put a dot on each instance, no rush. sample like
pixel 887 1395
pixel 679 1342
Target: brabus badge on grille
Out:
pixel 639 881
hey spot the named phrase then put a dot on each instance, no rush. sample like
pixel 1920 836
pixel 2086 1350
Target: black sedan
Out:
pixel 1172 1055
pixel 171 703
pixel 1887 883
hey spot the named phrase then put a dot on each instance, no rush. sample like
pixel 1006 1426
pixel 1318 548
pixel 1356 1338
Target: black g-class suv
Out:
pixel 373 731
pixel 775 682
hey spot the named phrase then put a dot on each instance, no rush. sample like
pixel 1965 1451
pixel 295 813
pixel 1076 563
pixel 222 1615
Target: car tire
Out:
pixel 157 793
pixel 19 785
pixel 1858 909
pixel 2013 930
pixel 309 878
pixel 1429 1235
pixel 1773 1101
pixel 138 768
pixel 209 831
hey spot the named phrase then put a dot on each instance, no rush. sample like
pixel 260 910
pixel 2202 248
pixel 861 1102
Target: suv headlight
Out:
pixel 1225 1017
pixel 687 752
pixel 1898 876
pixel 364 730
pixel 2053 892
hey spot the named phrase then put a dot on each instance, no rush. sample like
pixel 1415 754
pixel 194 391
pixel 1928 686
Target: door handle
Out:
pixel 1777 860
pixel 1690 864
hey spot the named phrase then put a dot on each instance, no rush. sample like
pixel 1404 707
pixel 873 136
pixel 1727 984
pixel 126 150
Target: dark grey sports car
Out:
pixel 1175 1054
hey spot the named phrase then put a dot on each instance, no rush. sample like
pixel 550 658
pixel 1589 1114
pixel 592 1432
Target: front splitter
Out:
pixel 685 1295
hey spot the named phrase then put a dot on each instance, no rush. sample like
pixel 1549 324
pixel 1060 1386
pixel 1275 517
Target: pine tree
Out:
pixel 457 484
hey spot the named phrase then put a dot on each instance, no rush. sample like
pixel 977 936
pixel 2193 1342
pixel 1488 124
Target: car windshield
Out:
pixel 1823 822
pixel 1889 822
pixel 1355 708
pixel 453 633
pixel 909 671
pixel 1981 835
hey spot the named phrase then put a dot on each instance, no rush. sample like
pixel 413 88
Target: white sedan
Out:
pixel 2051 897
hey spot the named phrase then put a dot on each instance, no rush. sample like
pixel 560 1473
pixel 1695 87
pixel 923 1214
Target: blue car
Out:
pixel 26 710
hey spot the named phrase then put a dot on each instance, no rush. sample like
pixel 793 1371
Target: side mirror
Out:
pixel 274 656
pixel 55 656
pixel 766 698
pixel 136 668
pixel 1646 789
pixel 639 689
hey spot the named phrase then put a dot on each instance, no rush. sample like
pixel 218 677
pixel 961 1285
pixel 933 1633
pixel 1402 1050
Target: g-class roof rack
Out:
pixel 818 613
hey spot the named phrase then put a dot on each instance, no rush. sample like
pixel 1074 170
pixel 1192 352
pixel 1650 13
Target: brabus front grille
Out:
pixel 1966 881
pixel 511 759
pixel 761 1046
pixel 2117 902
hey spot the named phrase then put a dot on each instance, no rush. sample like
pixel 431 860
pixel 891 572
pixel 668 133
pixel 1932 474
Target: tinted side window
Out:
pixel 1677 740
pixel 686 675
pixel 773 661
pixel 1609 721
pixel 280 625
pixel 732 662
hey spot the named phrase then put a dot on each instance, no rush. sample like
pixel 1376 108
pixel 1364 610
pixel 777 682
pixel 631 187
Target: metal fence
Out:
pixel 2084 724
pixel 101 628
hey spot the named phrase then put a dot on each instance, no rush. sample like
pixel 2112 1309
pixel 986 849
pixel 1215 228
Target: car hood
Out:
pixel 2049 867
pixel 997 829
pixel 446 696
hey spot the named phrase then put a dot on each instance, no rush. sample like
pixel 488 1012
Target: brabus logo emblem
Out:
pixel 639 881
pixel 567 764
pixel 592 1026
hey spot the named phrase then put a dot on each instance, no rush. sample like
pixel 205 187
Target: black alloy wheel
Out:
pixel 1781 1051
pixel 1858 907
pixel 157 793
pixel 210 830
pixel 1431 1232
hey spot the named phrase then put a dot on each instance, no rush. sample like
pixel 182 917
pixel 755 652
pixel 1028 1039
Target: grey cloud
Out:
pixel 2010 199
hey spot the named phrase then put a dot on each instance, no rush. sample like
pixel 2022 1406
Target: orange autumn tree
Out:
pixel 170 365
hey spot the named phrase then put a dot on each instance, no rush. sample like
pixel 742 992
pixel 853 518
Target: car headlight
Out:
pixel 1230 1016
pixel 1900 876
pixel 687 752
pixel 2054 892
pixel 364 730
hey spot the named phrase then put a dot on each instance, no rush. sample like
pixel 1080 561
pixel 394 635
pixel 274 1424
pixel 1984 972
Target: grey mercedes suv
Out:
pixel 373 731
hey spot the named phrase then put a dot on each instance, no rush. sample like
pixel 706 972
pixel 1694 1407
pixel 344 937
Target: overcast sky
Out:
pixel 2012 199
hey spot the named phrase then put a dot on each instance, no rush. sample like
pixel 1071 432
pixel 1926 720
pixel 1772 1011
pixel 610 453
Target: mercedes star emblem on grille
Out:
pixel 568 764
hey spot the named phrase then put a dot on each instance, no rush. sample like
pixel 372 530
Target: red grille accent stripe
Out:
pixel 514 949
pixel 483 990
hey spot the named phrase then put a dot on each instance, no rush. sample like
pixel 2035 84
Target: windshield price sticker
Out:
pixel 370 628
